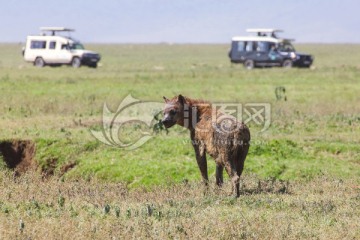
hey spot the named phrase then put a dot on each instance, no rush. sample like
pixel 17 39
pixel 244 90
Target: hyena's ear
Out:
pixel 166 100
pixel 181 99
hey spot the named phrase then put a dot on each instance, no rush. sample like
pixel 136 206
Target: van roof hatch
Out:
pixel 53 30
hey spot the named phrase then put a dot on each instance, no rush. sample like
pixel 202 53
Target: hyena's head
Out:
pixel 174 111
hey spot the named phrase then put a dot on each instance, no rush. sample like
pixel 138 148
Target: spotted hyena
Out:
pixel 219 135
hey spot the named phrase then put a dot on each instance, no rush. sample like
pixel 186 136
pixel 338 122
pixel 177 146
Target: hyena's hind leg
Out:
pixel 239 164
pixel 231 171
pixel 219 175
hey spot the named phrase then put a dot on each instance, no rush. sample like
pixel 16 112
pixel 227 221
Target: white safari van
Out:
pixel 52 49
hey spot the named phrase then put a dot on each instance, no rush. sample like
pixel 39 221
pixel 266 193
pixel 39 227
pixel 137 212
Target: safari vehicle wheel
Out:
pixel 249 64
pixel 39 62
pixel 76 63
pixel 287 64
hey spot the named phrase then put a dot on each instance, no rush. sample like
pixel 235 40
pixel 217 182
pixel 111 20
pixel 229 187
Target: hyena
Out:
pixel 215 133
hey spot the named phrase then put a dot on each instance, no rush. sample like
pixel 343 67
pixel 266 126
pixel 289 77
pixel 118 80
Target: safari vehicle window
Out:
pixel 38 44
pixel 77 46
pixel 52 45
pixel 65 47
pixel 262 46
pixel 249 46
pixel 240 46
pixel 286 47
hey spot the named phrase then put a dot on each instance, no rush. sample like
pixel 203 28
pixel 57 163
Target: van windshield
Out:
pixel 286 47
pixel 75 46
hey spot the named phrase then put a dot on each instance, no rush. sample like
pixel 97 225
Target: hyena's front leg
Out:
pixel 201 161
pixel 199 149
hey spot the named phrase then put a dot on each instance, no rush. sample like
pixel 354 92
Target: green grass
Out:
pixel 312 133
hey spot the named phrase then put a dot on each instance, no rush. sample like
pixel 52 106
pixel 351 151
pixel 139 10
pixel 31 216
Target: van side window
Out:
pixel 249 47
pixel 52 45
pixel 262 46
pixel 38 44
pixel 65 46
pixel 241 46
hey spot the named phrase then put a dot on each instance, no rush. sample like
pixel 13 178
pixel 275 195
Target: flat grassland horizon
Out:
pixel 301 176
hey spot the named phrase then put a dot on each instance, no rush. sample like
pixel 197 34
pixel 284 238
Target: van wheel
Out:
pixel 287 63
pixel 39 62
pixel 76 63
pixel 249 64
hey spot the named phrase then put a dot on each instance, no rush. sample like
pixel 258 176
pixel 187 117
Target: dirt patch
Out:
pixel 50 168
pixel 18 154
pixel 67 167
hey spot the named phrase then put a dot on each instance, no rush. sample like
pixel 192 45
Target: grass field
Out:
pixel 312 146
